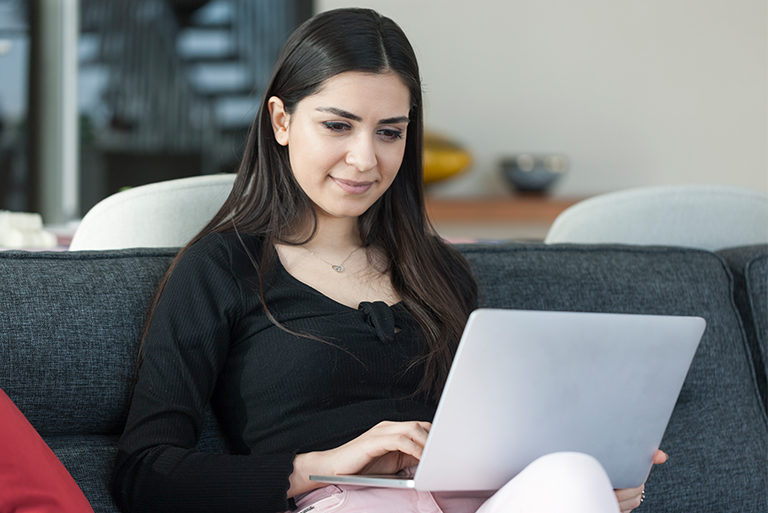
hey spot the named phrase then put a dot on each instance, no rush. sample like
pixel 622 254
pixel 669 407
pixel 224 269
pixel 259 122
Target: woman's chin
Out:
pixel 345 209
pixel 342 214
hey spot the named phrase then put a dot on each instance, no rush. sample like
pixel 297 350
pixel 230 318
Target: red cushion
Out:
pixel 32 478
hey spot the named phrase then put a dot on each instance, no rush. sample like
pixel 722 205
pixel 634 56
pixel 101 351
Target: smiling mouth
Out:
pixel 351 186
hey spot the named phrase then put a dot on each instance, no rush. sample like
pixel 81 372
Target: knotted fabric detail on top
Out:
pixel 379 315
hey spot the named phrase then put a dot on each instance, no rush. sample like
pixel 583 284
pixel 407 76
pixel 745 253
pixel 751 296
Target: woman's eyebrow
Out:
pixel 340 112
pixel 394 121
pixel 354 117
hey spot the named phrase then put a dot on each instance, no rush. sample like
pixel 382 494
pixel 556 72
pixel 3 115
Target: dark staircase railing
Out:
pixel 166 90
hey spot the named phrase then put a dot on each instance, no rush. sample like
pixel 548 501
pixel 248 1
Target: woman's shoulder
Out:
pixel 227 250
pixel 224 243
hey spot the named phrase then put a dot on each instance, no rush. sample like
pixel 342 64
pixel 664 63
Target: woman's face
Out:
pixel 346 142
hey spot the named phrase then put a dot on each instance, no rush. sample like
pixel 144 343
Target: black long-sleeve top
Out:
pixel 275 394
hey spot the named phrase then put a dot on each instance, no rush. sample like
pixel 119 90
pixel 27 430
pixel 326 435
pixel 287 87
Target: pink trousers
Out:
pixel 559 482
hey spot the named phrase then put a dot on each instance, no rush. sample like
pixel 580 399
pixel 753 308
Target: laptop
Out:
pixel 528 383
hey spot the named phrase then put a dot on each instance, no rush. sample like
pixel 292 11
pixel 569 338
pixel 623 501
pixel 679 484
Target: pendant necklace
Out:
pixel 339 268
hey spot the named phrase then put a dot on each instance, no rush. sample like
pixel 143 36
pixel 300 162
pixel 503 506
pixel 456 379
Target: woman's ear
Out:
pixel 279 118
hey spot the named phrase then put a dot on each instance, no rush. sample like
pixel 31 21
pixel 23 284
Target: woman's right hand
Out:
pixel 386 448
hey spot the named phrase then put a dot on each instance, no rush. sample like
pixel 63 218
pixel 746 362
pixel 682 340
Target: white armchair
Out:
pixel 162 214
pixel 704 216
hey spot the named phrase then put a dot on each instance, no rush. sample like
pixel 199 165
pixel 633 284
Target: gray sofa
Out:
pixel 70 323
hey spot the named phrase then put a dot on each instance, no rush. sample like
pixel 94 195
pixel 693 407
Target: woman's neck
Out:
pixel 335 232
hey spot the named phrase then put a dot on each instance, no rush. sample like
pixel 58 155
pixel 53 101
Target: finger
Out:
pixel 630 504
pixel 629 498
pixel 417 431
pixel 416 424
pixel 421 433
pixel 406 442
pixel 399 442
pixel 660 457
pixel 389 426
pixel 628 493
pixel 407 461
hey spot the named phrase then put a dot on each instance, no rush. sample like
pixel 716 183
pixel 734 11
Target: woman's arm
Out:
pixel 158 468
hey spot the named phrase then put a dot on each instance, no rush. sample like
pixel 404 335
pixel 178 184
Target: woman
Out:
pixel 317 312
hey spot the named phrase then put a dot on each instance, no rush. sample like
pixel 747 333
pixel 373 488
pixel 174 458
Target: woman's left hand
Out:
pixel 630 498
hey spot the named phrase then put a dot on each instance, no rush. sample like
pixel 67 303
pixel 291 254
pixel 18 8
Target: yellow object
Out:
pixel 443 158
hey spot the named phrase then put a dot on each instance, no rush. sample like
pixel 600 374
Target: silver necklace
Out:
pixel 339 268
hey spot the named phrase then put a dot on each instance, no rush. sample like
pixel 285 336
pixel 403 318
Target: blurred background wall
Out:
pixel 634 93
pixel 631 93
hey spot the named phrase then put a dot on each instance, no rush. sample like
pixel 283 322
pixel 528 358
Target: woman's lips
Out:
pixel 351 186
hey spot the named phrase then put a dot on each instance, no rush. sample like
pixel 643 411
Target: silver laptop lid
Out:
pixel 528 383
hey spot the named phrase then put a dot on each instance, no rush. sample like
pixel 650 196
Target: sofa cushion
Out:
pixel 718 427
pixel 749 265
pixel 75 320
pixel 90 460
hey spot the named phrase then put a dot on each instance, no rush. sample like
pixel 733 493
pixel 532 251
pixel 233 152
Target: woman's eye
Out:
pixel 336 126
pixel 391 135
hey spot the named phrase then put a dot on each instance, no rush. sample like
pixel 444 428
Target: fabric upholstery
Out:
pixel 68 353
pixel 75 321
pixel 757 288
pixel 72 321
pixel 749 265
pixel 718 427
pixel 90 460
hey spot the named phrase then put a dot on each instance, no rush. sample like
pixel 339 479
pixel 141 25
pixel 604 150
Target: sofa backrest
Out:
pixel 70 325
pixel 74 319
pixel 718 427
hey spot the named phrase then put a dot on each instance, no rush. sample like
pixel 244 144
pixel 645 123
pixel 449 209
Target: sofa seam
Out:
pixel 744 342
pixel 86 255
pixel 753 311
pixel 496 248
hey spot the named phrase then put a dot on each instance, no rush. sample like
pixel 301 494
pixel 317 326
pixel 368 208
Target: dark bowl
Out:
pixel 533 173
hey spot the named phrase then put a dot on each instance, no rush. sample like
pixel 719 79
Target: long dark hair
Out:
pixel 433 279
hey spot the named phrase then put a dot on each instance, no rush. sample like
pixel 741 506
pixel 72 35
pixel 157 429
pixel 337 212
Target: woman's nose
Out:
pixel 361 154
